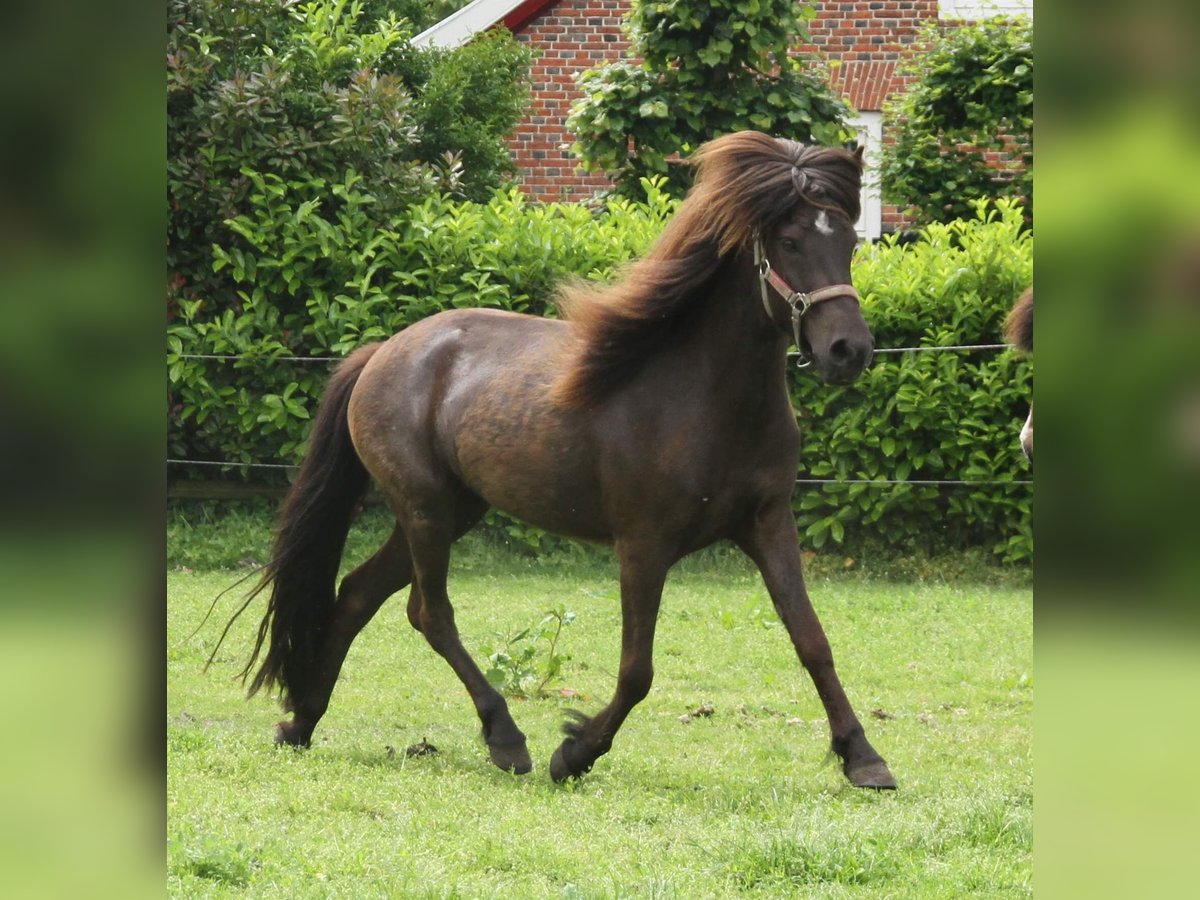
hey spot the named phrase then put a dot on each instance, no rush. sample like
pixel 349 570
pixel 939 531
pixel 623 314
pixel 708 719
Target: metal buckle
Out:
pixel 799 302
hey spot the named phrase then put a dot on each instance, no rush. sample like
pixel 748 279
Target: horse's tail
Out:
pixel 309 540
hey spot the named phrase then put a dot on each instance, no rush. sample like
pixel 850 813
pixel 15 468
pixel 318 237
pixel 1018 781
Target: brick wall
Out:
pixel 571 37
pixel 865 37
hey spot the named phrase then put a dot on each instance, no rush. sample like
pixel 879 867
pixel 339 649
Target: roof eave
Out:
pixel 461 26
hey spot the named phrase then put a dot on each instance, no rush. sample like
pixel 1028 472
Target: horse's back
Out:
pixel 464 398
pixel 429 376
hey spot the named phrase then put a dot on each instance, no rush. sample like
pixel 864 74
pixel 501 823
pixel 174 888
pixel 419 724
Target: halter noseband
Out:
pixel 799 301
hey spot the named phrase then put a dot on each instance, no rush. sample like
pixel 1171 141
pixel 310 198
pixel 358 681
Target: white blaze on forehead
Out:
pixel 822 223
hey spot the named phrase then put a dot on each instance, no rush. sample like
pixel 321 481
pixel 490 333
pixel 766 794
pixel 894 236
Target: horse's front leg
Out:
pixel 642 576
pixel 771 542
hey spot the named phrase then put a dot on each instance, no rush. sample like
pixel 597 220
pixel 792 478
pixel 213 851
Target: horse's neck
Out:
pixel 732 343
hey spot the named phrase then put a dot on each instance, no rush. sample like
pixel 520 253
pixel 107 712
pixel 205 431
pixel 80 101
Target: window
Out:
pixel 869 126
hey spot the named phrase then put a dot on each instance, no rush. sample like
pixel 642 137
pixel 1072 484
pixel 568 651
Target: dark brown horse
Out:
pixel 1018 331
pixel 655 418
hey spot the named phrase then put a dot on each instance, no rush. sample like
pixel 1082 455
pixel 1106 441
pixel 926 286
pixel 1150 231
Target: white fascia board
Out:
pixel 977 10
pixel 459 27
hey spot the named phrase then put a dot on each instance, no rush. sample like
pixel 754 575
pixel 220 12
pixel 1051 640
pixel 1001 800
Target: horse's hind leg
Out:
pixel 360 595
pixel 429 539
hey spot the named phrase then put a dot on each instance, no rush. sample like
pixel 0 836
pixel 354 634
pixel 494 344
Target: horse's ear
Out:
pixel 858 152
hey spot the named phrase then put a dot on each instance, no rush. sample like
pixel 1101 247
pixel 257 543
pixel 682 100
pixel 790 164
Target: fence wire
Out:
pixel 231 357
pixel 867 481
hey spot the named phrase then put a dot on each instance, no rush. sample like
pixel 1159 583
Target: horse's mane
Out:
pixel 1018 327
pixel 745 183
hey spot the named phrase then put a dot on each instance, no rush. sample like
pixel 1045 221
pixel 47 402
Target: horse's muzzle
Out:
pixel 845 360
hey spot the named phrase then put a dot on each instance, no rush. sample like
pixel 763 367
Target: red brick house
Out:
pixel 861 40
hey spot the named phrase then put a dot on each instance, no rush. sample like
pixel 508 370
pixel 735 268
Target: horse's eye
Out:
pixel 788 244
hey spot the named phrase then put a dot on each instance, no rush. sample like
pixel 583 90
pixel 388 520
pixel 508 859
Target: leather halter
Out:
pixel 799 301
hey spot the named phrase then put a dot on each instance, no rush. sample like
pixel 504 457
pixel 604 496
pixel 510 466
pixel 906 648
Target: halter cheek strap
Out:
pixel 799 301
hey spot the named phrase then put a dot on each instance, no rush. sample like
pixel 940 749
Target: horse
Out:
pixel 1018 331
pixel 653 417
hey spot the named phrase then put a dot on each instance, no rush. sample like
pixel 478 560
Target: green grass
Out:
pixel 738 804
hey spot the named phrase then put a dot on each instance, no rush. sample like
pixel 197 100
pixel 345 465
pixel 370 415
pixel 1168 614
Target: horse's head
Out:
pixel 795 205
pixel 804 271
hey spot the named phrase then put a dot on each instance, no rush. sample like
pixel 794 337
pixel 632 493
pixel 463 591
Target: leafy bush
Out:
pixel 971 99
pixel 315 95
pixel 471 97
pixel 928 416
pixel 709 68
pixel 313 284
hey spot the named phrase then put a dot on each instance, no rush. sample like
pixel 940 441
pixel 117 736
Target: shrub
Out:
pixel 928 416
pixel 471 97
pixel 306 96
pixel 964 128
pixel 709 68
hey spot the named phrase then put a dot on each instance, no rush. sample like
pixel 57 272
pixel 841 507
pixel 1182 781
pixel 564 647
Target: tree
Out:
pixel 964 128
pixel 321 95
pixel 709 68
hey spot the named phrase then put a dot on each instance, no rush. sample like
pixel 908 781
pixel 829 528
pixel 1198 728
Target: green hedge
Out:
pixel 315 285
pixel 928 416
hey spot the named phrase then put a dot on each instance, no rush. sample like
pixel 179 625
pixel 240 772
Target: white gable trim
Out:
pixel 459 27
pixel 974 10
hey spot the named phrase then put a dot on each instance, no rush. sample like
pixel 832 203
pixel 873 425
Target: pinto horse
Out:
pixel 654 417
pixel 1018 331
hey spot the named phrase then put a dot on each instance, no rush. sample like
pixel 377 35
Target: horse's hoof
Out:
pixel 873 774
pixel 513 758
pixel 287 734
pixel 559 770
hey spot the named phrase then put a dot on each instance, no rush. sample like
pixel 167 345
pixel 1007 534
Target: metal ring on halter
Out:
pixel 802 299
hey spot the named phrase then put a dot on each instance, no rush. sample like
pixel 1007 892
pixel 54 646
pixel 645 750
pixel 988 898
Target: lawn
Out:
pixel 732 804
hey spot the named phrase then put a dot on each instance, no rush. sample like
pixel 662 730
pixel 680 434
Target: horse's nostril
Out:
pixel 849 354
pixel 846 352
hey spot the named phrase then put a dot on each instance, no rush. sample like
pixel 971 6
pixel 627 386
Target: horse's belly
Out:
pixel 537 485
